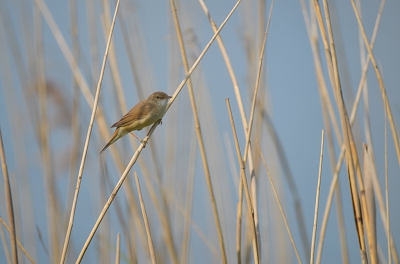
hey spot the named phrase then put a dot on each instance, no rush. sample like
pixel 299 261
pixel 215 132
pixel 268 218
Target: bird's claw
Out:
pixel 144 142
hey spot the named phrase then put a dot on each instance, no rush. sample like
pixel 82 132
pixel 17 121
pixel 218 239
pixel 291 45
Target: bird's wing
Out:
pixel 140 110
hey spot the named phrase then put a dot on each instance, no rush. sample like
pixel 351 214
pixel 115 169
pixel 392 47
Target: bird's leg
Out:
pixel 141 140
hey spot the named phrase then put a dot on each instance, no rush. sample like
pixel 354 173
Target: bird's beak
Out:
pixel 169 97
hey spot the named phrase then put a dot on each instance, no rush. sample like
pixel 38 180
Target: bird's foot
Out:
pixel 144 142
pixel 160 120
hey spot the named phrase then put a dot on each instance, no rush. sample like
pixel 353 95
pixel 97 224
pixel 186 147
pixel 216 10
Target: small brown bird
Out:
pixel 144 114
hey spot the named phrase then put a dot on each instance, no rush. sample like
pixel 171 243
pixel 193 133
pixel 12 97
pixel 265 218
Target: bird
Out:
pixel 144 114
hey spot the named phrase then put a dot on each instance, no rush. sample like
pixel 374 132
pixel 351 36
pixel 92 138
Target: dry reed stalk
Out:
pixel 370 197
pixel 82 165
pixel 199 134
pixel 145 220
pixel 245 186
pixel 279 205
pixel 189 201
pixel 162 213
pixel 380 81
pixel 66 52
pixel 387 193
pixel 382 210
pixel 314 232
pixel 75 126
pixel 113 59
pixel 9 202
pixel 376 183
pixel 352 118
pixel 333 73
pixel 127 228
pixel 118 249
pixel 5 246
pixel 20 153
pixel 352 156
pixel 115 191
pixel 138 151
pixel 52 199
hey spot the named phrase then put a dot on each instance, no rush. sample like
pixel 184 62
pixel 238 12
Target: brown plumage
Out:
pixel 144 114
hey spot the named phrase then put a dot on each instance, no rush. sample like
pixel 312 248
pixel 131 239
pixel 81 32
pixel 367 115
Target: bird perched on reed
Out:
pixel 144 114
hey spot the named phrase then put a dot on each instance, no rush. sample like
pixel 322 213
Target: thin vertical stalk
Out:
pixel 199 134
pixel 314 232
pixel 280 206
pixel 145 220
pixel 9 203
pixel 118 249
pixel 244 184
pixel 380 81
pixel 387 191
pixel 96 100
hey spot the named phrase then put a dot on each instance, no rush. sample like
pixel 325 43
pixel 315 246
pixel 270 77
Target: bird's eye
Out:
pixel 158 97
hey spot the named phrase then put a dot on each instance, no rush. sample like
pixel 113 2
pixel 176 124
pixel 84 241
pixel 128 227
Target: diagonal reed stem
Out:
pixel 280 206
pixel 314 232
pixel 9 203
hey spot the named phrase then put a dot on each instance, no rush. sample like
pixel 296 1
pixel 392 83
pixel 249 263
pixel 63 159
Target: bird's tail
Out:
pixel 114 138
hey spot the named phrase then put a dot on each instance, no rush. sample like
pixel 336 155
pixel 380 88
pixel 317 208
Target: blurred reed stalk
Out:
pixel 199 134
pixel 243 184
pixel 9 202
pixel 280 206
pixel 314 230
pixel 146 221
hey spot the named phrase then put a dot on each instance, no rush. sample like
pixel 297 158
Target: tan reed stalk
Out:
pixel 376 183
pixel 113 59
pixel 199 134
pixel 333 73
pixel 127 228
pixel 314 232
pixel 202 54
pixel 387 193
pixel 5 246
pixel 201 235
pixel 380 81
pixel 115 191
pixel 279 205
pixel 162 213
pixel 75 125
pixel 352 118
pixel 53 206
pixel 20 153
pixel 118 249
pixel 244 184
pixel 382 206
pixel 189 200
pixel 145 220
pixel 78 183
pixel 352 156
pixel 370 197
pixel 138 151
pixel 92 36
pixel 248 136
pixel 66 52
pixel 244 122
pixel 9 202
